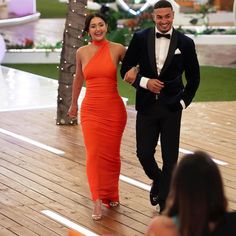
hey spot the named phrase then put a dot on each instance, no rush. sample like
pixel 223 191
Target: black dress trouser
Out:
pixel 158 121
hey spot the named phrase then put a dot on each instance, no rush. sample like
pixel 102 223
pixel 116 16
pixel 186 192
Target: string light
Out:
pixel 74 34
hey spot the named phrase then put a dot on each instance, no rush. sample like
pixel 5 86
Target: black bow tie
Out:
pixel 158 35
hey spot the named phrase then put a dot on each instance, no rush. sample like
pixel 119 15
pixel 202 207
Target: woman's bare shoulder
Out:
pixel 162 226
pixel 118 46
pixel 118 49
pixel 83 49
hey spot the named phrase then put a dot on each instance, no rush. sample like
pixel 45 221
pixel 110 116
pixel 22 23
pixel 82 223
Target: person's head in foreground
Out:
pixel 196 202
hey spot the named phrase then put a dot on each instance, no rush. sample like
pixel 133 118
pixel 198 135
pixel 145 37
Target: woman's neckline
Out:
pixel 99 43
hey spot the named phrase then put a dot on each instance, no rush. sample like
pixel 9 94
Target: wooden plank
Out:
pixel 4 231
pixel 33 179
pixel 12 226
pixel 27 182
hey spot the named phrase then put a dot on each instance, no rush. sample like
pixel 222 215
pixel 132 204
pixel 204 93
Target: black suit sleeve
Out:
pixel 192 72
pixel 131 59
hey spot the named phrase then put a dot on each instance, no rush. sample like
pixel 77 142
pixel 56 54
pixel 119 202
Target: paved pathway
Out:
pixel 217 55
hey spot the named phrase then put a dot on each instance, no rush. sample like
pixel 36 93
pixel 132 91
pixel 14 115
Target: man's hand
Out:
pixel 131 75
pixel 73 110
pixel 155 85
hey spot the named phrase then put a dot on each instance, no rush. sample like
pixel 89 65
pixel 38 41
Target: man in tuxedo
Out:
pixel 162 55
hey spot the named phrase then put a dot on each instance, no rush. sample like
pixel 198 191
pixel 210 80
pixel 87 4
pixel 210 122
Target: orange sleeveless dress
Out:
pixel 103 118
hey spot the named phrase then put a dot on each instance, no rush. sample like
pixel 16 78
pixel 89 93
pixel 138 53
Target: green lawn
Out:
pixel 51 8
pixel 217 83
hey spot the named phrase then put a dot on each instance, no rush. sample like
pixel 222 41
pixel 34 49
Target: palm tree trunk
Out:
pixel 234 12
pixel 71 42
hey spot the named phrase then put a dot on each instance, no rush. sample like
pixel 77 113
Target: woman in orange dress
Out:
pixel 103 114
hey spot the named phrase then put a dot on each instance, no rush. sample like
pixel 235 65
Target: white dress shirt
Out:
pixel 161 50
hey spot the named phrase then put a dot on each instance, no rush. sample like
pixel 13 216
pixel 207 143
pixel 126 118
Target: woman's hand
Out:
pixel 131 75
pixel 73 111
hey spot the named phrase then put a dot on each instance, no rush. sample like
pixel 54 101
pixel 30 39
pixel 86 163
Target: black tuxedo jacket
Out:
pixel 141 51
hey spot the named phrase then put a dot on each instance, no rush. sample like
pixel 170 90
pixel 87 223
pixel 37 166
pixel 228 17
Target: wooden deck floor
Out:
pixel 33 179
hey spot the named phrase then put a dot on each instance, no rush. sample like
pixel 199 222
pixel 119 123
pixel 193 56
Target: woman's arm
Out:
pixel 77 86
pixel 122 53
pixel 130 75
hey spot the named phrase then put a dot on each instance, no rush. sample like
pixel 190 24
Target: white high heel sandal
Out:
pixel 97 210
pixel 114 204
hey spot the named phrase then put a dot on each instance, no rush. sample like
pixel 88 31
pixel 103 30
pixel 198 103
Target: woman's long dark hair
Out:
pixel 196 195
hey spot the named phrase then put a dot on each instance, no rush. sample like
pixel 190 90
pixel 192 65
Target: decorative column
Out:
pixel 72 40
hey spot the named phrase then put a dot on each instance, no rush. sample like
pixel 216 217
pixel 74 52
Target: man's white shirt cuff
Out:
pixel 143 82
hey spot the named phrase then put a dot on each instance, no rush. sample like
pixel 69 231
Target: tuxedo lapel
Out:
pixel 171 51
pixel 151 49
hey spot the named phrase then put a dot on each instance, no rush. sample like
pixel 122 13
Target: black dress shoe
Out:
pixel 154 199
pixel 161 206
